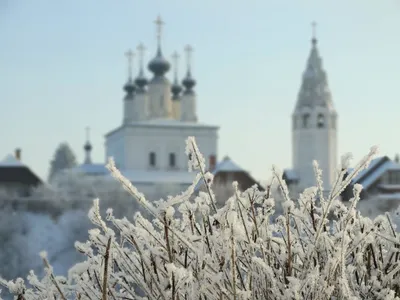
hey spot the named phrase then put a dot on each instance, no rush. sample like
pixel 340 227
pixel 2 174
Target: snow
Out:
pixel 373 177
pixel 11 161
pixel 373 164
pixel 165 123
pixel 391 196
pixel 227 165
pixel 92 169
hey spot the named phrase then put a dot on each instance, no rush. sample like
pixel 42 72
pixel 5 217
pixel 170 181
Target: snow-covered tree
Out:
pixel 318 248
pixel 64 158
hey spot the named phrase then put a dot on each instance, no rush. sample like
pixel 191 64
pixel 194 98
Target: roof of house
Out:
pixel 227 165
pixel 290 175
pixel 164 123
pixel 92 169
pixel 15 171
pixel 377 168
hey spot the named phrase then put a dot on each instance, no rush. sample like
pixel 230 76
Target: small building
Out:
pixel 16 178
pixel 381 180
pixel 225 173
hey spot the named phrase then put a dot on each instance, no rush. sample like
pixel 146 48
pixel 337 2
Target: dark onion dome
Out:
pixel 188 82
pixel 159 65
pixel 87 147
pixel 141 81
pixel 176 89
pixel 129 87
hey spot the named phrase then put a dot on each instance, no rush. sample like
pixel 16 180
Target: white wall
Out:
pixel 159 98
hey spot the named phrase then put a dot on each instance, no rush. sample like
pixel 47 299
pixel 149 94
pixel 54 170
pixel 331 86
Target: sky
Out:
pixel 62 68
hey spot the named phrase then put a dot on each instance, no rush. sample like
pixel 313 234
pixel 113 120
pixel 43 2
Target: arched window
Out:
pixel 172 160
pixel 152 159
pixel 306 120
pixel 321 121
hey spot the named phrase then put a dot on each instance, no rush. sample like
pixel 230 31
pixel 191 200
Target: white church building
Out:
pixel 314 127
pixel 158 116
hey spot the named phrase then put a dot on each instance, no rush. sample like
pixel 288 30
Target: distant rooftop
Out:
pixel 11 161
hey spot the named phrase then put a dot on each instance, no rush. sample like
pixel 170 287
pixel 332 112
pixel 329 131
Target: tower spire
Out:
pixel 129 87
pixel 314 33
pixel 130 55
pixel 141 49
pixel 141 80
pixel 175 59
pixel 159 23
pixel 87 147
pixel 159 65
pixel 189 51
pixel 176 89
pixel 188 82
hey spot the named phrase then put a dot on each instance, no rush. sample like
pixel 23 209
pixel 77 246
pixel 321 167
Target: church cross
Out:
pixel 129 54
pixel 159 23
pixel 141 48
pixel 175 58
pixel 188 50
pixel 314 30
pixel 87 133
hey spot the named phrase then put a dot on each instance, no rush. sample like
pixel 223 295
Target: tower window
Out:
pixel 321 121
pixel 172 160
pixel 152 159
pixel 306 120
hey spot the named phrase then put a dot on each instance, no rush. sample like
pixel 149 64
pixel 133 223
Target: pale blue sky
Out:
pixel 63 66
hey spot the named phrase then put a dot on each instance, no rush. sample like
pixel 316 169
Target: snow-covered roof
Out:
pixel 374 176
pixel 11 161
pixel 372 165
pixel 290 174
pixel 227 165
pixel 172 123
pixel 391 196
pixel 92 169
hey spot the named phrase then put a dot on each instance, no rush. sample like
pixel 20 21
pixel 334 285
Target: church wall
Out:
pixel 141 141
pixel 115 145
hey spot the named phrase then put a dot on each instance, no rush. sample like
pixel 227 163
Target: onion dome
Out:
pixel 188 82
pixel 141 81
pixel 159 65
pixel 176 89
pixel 88 146
pixel 129 87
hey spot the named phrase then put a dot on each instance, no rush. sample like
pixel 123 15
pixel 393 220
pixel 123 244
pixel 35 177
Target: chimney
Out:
pixel 18 153
pixel 212 161
pixel 397 158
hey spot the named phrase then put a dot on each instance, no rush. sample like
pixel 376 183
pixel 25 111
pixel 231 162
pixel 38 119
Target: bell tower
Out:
pixel 314 124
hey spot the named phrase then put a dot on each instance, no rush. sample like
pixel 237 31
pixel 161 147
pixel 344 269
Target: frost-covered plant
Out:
pixel 317 249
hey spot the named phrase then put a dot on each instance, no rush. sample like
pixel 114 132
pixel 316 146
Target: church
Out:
pixel 314 126
pixel 314 137
pixel 158 116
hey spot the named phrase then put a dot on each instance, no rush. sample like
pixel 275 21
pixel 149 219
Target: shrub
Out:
pixel 318 248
